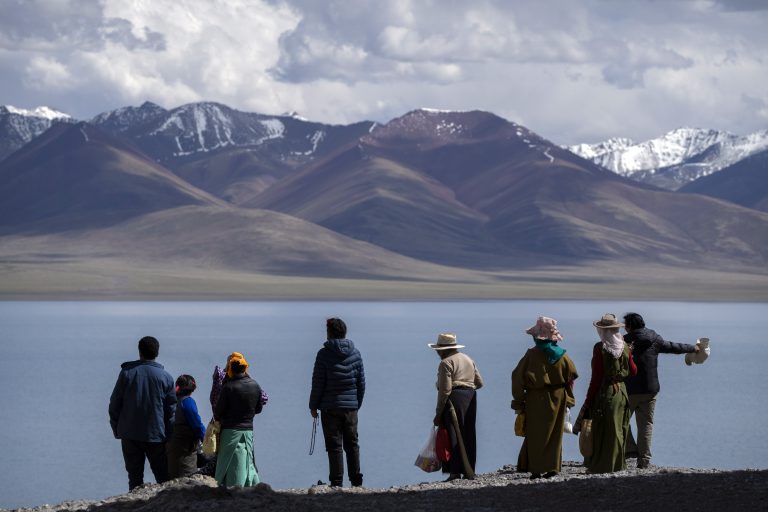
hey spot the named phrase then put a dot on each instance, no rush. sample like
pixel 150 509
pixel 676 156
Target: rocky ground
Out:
pixel 657 488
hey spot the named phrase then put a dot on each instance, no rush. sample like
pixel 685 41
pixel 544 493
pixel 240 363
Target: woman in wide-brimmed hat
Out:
pixel 542 389
pixel 457 381
pixel 607 403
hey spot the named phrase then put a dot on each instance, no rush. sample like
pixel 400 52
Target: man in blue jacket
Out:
pixel 338 386
pixel 141 410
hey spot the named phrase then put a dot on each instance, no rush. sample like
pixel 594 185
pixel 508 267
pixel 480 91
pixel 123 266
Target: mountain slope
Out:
pixel 75 176
pixel 744 183
pixel 469 188
pixel 221 239
pixel 381 202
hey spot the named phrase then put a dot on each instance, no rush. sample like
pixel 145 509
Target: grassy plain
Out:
pixel 110 279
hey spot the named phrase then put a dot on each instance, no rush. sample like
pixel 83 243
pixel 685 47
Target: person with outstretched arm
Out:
pixel 643 387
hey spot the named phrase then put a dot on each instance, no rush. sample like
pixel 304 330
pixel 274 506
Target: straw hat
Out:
pixel 608 321
pixel 444 342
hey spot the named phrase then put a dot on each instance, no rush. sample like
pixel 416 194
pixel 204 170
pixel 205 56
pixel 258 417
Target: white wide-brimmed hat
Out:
pixel 444 342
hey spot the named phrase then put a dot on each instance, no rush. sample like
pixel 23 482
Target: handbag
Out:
pixel 427 459
pixel 211 439
pixel 443 445
pixel 520 425
pixel 586 438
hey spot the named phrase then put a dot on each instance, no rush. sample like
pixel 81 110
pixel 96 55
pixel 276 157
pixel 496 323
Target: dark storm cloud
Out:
pixel 337 42
pixel 66 25
pixel 743 5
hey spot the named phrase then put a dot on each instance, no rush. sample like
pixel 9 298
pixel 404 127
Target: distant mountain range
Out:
pixel 676 158
pixel 427 194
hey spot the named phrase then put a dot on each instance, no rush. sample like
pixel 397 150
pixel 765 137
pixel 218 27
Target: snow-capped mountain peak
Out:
pixel 41 112
pixel 590 151
pixel 125 117
pixel 18 126
pixel 294 115
pixel 195 129
pixel 676 158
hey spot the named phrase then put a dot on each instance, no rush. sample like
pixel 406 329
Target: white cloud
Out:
pixel 573 70
pixel 44 73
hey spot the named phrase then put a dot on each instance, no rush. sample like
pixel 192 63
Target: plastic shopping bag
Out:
pixel 568 426
pixel 427 459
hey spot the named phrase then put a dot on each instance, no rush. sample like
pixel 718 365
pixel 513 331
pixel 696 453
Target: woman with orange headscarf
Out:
pixel 239 402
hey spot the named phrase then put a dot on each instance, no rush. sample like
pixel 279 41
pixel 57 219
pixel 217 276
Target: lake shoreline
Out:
pixel 505 489
pixel 733 298
pixel 607 282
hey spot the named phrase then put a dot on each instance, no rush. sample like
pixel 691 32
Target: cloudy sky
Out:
pixel 571 70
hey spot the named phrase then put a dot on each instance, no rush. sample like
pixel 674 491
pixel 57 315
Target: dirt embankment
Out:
pixel 657 488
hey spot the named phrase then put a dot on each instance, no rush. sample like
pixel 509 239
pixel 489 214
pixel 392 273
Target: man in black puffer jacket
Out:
pixel 643 387
pixel 338 386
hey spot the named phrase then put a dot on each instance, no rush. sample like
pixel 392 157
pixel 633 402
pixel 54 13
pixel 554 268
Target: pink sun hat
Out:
pixel 545 329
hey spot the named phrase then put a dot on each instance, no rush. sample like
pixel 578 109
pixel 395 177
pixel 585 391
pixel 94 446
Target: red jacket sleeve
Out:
pixel 597 375
pixel 632 365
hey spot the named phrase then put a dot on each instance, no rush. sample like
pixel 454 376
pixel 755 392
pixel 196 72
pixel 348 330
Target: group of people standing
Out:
pixel 624 382
pixel 157 419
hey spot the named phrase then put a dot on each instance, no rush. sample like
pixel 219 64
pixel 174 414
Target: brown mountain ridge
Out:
pixel 429 197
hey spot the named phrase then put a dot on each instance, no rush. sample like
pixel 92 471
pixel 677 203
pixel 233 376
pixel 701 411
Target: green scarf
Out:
pixel 550 348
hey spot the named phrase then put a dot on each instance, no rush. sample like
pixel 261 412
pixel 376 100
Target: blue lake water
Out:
pixel 60 361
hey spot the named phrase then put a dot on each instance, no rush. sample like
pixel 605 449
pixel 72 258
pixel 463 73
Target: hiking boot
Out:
pixel 452 477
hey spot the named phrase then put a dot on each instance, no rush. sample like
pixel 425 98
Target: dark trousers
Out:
pixel 464 402
pixel 340 431
pixel 134 453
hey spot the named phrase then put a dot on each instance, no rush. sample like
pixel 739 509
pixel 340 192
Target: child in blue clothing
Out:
pixel 188 431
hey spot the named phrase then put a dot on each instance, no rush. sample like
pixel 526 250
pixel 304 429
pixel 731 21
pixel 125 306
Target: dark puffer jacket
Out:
pixel 338 380
pixel 239 402
pixel 646 347
pixel 143 402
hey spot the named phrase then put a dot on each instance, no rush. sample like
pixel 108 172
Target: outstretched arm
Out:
pixel 670 347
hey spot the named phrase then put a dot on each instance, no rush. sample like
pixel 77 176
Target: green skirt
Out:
pixel 610 425
pixel 234 462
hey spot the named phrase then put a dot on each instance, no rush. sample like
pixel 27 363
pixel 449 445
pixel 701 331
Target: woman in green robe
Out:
pixel 239 402
pixel 607 403
pixel 542 389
